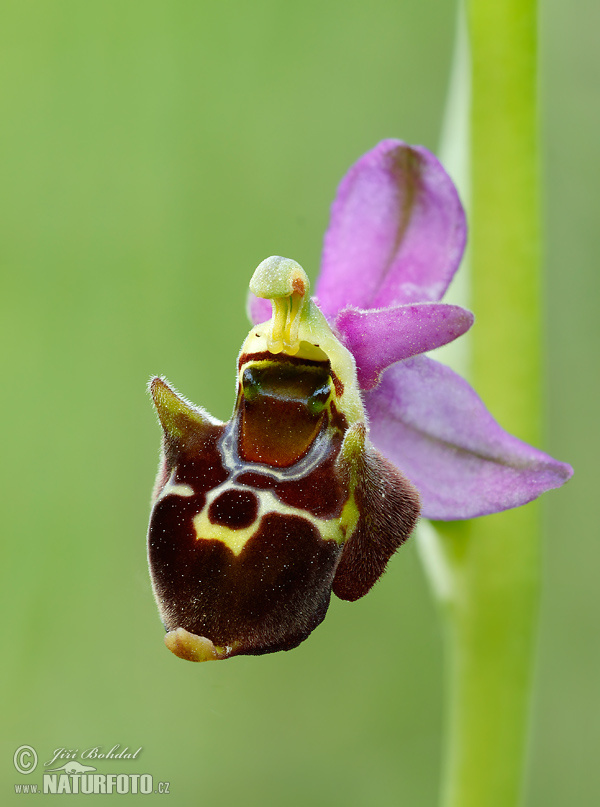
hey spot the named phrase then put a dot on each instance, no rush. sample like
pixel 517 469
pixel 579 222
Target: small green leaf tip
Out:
pixel 175 414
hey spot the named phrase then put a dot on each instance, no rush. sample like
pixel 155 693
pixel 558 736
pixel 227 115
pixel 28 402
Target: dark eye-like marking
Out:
pixel 282 380
pixel 250 383
pixel 282 411
pixel 317 401
pixel 236 509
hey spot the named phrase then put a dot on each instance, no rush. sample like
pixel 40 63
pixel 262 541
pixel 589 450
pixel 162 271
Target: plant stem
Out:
pixel 505 240
pixel 490 636
pixel 492 564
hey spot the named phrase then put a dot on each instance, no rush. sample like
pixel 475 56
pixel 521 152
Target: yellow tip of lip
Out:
pixel 191 647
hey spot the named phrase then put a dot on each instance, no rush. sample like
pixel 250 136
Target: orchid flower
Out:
pixel 341 425
pixel 395 240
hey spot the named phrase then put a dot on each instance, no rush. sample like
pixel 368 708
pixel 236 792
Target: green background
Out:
pixel 151 155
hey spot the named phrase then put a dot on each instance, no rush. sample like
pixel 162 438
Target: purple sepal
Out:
pixel 379 338
pixel 397 232
pixel 429 422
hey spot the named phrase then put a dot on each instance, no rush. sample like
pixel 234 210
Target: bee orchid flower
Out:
pixel 395 240
pixel 342 429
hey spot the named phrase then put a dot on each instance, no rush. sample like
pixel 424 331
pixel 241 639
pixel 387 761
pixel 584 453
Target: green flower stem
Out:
pixel 505 240
pixel 491 565
pixel 490 634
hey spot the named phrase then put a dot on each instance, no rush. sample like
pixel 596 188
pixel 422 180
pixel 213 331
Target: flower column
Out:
pixel 494 561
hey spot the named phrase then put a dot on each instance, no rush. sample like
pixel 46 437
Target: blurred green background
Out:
pixel 152 154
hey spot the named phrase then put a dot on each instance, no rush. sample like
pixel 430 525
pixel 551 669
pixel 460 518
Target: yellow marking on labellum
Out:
pixel 332 529
pixel 235 540
pixel 172 489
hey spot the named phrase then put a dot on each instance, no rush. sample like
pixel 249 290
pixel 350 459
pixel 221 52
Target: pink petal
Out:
pixel 257 308
pixel 434 427
pixel 378 338
pixel 397 231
